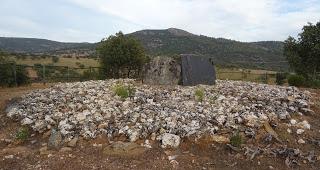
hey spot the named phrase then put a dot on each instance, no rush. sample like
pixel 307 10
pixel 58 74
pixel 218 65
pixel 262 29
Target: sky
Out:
pixel 92 20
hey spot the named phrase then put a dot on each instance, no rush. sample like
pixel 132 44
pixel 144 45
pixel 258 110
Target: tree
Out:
pixel 119 54
pixel 303 54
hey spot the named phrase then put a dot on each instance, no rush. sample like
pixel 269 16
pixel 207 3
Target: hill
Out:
pixel 266 54
pixel 34 45
pixel 172 41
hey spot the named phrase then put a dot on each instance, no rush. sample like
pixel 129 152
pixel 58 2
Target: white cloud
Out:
pixel 245 20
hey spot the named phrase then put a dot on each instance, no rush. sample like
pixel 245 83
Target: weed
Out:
pixel 236 139
pixel 199 94
pixel 124 91
pixel 22 134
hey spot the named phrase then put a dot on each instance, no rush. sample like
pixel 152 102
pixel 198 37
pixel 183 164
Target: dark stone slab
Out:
pixel 197 70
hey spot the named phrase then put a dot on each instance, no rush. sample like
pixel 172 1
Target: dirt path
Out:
pixel 96 154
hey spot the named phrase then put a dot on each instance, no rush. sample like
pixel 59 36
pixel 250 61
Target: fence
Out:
pixel 266 77
pixel 50 73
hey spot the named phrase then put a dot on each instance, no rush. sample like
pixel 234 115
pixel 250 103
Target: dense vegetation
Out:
pixel 303 54
pixel 121 56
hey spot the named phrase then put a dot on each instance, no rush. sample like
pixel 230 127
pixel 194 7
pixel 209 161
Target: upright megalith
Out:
pixel 162 71
pixel 186 70
pixel 197 70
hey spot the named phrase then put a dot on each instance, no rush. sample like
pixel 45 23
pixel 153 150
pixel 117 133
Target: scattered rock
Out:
pixel 170 140
pixel 65 149
pixel 220 139
pixel 301 141
pixel 9 157
pixel 73 142
pixel 300 131
pixel 55 139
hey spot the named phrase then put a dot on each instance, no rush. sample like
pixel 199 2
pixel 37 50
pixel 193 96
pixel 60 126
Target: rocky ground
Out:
pixel 232 125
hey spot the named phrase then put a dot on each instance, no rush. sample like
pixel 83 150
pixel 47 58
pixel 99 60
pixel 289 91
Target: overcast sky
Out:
pixel 91 20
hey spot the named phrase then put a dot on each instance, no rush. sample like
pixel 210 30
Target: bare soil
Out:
pixel 200 154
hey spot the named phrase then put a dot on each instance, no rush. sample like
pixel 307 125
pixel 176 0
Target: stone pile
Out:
pixel 165 113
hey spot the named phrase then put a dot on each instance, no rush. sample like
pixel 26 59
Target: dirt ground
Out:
pixel 191 154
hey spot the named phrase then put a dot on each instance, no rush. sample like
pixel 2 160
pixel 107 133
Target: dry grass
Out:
pixel 71 62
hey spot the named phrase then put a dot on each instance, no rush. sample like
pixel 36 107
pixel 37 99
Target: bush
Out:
pixel 7 75
pixel 199 94
pixel 280 78
pixel 124 91
pixel 296 80
pixel 55 59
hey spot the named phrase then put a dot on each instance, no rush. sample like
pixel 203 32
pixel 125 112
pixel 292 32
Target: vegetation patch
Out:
pixel 123 91
pixel 236 139
pixel 199 94
pixel 22 134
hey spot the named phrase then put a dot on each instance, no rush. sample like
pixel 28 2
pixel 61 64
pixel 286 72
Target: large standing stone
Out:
pixel 162 71
pixel 197 70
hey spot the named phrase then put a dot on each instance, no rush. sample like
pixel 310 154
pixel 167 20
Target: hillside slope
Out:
pixel 266 54
pixel 34 45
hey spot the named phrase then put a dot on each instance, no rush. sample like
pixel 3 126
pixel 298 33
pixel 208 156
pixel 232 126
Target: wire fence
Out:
pixel 50 73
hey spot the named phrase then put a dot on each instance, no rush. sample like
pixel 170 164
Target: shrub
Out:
pixel 296 80
pixel 199 94
pixel 124 91
pixel 22 134
pixel 280 78
pixel 55 59
pixel 236 140
pixel 7 75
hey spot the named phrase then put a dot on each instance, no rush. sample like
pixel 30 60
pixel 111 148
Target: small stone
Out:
pixel 301 141
pixel 271 167
pixel 65 149
pixel 172 157
pixel 170 140
pixel 220 139
pixel 9 157
pixel 300 131
pixel 293 122
pixel 26 121
pixel 73 142
pixel 153 136
pixel 289 130
pixel 43 150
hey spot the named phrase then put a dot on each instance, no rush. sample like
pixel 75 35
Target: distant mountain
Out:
pixel 172 41
pixel 265 54
pixel 34 45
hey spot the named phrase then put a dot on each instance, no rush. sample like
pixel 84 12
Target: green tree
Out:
pixel 303 54
pixel 120 55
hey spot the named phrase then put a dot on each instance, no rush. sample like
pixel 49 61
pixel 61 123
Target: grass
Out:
pixel 236 139
pixel 123 91
pixel 22 134
pixel 199 94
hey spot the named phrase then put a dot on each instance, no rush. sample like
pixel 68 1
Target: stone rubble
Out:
pixel 165 113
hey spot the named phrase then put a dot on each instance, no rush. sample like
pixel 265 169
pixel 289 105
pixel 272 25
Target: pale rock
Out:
pixel 300 131
pixel 170 140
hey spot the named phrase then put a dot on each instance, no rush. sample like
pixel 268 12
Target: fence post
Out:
pixel 14 69
pixel 68 74
pixel 44 74
pixel 267 82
